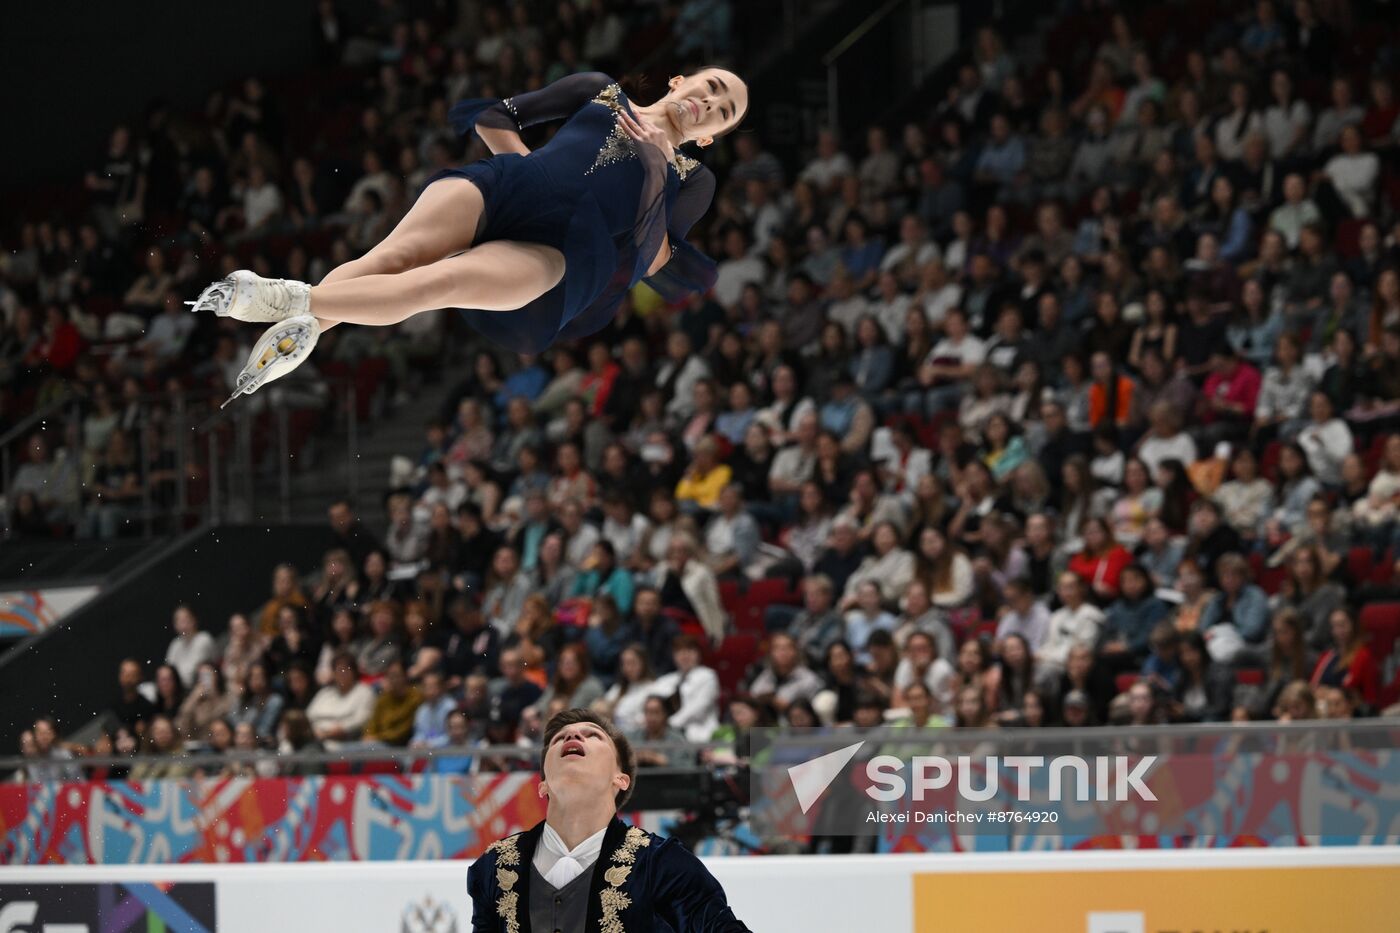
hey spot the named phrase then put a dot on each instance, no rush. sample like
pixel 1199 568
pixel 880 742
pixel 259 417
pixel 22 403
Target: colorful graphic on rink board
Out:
pixel 108 907
pixel 424 816
pixel 1358 899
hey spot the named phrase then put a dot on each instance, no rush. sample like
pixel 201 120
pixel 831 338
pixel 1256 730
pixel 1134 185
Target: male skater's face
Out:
pixel 581 761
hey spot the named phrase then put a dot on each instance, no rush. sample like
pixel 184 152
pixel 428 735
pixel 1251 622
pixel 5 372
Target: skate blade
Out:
pixel 247 388
pixel 216 297
pixel 261 371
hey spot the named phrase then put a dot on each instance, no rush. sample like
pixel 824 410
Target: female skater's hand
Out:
pixel 645 132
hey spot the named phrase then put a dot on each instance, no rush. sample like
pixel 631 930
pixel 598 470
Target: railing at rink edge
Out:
pixel 226 465
pixel 1183 739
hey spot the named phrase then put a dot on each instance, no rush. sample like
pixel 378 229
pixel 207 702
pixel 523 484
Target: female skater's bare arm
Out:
pixel 663 255
pixel 500 141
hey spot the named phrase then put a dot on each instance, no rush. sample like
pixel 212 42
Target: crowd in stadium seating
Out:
pixel 1072 400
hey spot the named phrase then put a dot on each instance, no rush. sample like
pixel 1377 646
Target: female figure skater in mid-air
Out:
pixel 541 246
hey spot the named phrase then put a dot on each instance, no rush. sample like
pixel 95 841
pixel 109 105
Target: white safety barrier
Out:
pixel 1301 890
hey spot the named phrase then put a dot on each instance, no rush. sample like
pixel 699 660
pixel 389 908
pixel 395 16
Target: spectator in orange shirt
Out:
pixel 1110 393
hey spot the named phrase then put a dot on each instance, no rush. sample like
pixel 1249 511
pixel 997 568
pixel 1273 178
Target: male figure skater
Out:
pixel 583 868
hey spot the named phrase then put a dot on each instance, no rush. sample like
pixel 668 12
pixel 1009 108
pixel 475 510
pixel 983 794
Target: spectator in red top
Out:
pixel 1229 397
pixel 1349 663
pixel 1101 561
pixel 61 342
pixel 1379 122
pixel 598 382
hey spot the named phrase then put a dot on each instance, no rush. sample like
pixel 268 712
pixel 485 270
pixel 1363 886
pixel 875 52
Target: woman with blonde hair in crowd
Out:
pixel 537 637
pixel 206 702
pixel 889 566
pixel 242 646
pixel 286 591
pixel 943 569
pixel 421 653
pixel 385 644
pixel 1290 660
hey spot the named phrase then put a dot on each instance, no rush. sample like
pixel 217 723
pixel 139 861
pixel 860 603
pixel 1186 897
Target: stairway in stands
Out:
pixel 391 431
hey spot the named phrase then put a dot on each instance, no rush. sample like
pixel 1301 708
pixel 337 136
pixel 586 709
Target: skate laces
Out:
pixel 278 293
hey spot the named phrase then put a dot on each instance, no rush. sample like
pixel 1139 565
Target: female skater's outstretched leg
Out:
pixel 500 275
pixel 441 223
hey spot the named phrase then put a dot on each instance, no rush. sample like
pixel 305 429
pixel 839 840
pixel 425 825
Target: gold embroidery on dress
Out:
pixel 614 900
pixel 684 165
pixel 616 148
pixel 619 146
pixel 507 855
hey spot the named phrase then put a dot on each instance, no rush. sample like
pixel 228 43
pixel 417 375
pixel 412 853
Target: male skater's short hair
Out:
pixel 626 757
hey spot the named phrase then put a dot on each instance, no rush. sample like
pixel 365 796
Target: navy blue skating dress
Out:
pixel 596 195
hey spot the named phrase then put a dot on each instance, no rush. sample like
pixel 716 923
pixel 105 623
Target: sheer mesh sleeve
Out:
pixel 688 270
pixel 558 101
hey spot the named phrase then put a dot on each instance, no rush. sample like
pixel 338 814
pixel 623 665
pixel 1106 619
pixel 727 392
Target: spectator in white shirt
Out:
pixel 262 202
pixel 937 293
pixel 1075 624
pixel 891 307
pixel 165 337
pixel 679 373
pixel 950 363
pixel 190 647
pixel 1238 125
pixel 1165 440
pixel 830 164
pixel 1296 211
pixel 765 217
pixel 1353 173
pixel 845 306
pixel 740 267
pixel 913 251
pixel 922 664
pixel 1326 440
pixel 627 697
pixel 785 678
pixel 695 689
pixel 340 709
pixel 1286 119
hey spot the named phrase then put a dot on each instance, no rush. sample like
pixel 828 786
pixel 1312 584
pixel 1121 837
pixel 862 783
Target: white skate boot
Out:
pixel 284 347
pixel 247 296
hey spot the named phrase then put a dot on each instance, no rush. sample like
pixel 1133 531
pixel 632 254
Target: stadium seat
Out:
pixel 764 593
pixel 1359 564
pixel 1250 678
pixel 1384 569
pixel 732 658
pixel 1382 621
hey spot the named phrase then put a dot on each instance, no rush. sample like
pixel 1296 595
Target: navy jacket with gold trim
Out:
pixel 639 878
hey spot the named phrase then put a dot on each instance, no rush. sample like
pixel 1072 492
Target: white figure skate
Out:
pixel 284 347
pixel 247 296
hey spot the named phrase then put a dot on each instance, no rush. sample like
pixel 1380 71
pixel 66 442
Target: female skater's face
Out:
pixel 706 104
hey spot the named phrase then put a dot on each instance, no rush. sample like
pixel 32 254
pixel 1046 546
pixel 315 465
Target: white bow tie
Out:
pixel 564 871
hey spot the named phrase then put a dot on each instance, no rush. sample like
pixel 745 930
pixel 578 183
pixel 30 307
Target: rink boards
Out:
pixel 1298 890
